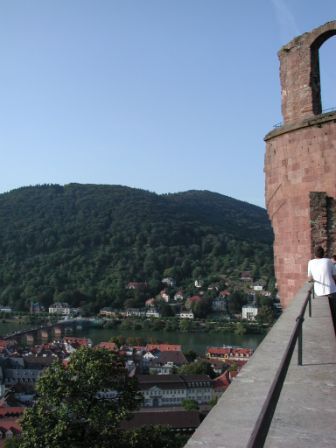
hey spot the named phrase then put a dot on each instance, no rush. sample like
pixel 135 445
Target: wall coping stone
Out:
pixel 314 120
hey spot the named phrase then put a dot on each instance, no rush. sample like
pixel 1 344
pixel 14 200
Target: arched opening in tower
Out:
pixel 327 56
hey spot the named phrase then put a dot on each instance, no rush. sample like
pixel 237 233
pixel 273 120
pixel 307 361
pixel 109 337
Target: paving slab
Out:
pixel 306 411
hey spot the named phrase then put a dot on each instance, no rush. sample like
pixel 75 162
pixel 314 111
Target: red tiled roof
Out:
pixel 7 411
pixel 177 357
pixel 230 351
pixel 224 293
pixel 79 341
pixel 222 381
pixel 11 424
pixel 193 299
pixel 164 347
pixel 112 346
pixel 6 424
pixel 139 348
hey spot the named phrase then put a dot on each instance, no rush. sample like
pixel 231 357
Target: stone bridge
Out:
pixel 32 336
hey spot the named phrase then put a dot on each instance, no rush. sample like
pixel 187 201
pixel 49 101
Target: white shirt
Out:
pixel 322 271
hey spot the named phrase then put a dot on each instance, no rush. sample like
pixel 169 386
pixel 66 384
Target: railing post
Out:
pixel 301 319
pixel 310 304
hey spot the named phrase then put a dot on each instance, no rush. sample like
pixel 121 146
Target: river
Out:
pixel 198 342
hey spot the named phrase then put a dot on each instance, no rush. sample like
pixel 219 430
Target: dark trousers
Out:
pixel 332 304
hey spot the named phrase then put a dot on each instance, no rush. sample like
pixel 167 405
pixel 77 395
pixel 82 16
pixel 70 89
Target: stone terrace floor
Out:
pixel 306 412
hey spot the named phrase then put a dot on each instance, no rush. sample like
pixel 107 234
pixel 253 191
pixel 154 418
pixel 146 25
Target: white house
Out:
pixel 169 281
pixel 171 390
pixel 249 312
pixel 185 315
pixel 135 312
pixel 153 313
pixel 5 309
pixel 178 296
pixel 164 296
pixel 199 283
pixel 63 309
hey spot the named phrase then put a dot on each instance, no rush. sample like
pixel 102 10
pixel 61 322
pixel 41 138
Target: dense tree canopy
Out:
pixel 83 243
pixel 84 404
pixel 71 408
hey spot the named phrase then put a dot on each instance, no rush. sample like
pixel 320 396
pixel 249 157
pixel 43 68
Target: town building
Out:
pixel 62 309
pixel 10 423
pixel 164 347
pixel 153 313
pixel 164 296
pixel 108 312
pixel 185 315
pixel 169 281
pixel 165 362
pixel 150 302
pixel 219 304
pixel 5 309
pixel 172 390
pixel 135 312
pixel 36 308
pixel 199 283
pixel 178 297
pixel 177 421
pixel 229 353
pixel 249 312
pixel 111 346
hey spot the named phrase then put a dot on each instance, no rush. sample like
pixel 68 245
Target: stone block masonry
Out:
pixel 300 165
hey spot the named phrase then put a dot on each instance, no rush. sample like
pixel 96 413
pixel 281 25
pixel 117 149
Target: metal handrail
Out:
pixel 323 111
pixel 264 420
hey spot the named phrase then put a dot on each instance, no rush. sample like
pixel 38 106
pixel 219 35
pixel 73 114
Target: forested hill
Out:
pixel 84 243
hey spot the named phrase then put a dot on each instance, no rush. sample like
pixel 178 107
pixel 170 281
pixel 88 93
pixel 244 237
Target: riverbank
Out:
pixel 197 342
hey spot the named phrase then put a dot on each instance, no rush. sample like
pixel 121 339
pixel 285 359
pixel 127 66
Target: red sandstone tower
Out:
pixel 300 164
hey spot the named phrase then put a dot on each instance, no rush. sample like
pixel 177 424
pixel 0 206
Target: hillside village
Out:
pixel 242 300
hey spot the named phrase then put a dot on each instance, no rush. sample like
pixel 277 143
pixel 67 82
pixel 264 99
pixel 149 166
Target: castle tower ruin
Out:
pixel 300 164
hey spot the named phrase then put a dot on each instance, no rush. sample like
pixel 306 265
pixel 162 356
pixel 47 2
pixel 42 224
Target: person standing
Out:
pixel 321 270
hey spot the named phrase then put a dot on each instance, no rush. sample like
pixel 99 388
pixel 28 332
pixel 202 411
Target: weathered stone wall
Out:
pixel 300 159
pixel 300 73
pixel 331 209
pixel 323 222
pixel 318 220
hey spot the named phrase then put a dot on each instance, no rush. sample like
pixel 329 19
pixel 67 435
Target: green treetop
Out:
pixel 72 410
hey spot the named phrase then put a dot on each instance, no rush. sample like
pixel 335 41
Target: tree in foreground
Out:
pixel 72 409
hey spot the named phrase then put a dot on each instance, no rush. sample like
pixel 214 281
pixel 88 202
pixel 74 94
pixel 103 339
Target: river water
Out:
pixel 198 342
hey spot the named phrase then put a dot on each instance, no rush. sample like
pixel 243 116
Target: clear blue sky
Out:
pixel 164 95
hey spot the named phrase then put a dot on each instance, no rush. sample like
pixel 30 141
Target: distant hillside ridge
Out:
pixel 84 243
